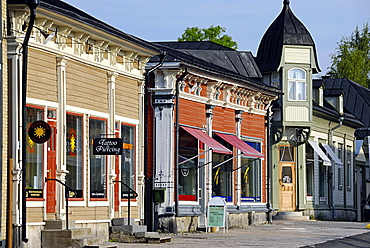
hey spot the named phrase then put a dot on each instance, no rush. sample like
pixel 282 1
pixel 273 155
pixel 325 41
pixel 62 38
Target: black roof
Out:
pixel 357 100
pixel 197 60
pixel 195 45
pixel 242 63
pixel 286 29
pixel 72 12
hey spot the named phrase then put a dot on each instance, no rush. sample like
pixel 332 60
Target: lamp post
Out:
pixel 32 5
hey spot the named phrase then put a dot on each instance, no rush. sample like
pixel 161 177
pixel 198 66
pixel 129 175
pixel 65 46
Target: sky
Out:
pixel 245 21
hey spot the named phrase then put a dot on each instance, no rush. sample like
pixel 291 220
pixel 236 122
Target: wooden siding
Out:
pixel 127 97
pixel 87 87
pixel 88 213
pixel 42 79
pixel 192 113
pixel 224 120
pixel 35 214
pixel 297 55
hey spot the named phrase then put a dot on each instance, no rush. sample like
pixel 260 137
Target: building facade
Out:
pixel 85 80
pixel 207 136
pixel 312 134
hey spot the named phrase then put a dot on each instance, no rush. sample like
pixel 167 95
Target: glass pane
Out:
pixel 250 180
pixel 301 90
pixel 297 74
pixel 127 159
pixel 222 176
pixel 74 153
pixel 286 153
pixel 286 174
pixel 34 152
pixel 188 172
pixel 97 162
pixel 292 90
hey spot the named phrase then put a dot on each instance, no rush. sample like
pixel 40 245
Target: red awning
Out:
pixel 241 145
pixel 206 139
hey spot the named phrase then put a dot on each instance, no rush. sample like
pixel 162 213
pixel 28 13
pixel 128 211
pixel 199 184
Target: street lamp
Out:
pixel 32 5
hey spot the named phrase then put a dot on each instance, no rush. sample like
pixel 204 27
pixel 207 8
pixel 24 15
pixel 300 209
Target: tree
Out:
pixel 352 57
pixel 213 33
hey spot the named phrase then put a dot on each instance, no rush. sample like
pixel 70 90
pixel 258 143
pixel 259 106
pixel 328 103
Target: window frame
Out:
pixel 295 83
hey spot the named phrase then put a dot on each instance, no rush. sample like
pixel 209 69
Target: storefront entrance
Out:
pixel 287 186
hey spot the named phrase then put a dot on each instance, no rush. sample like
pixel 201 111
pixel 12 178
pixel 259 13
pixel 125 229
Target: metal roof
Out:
pixel 356 100
pixel 286 29
pixel 216 63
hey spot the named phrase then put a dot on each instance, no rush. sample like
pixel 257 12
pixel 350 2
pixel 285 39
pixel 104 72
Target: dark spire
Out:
pixel 286 29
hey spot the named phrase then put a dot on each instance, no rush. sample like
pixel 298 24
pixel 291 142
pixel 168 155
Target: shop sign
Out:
pixel 107 146
pixel 39 132
pixel 34 193
pixel 217 212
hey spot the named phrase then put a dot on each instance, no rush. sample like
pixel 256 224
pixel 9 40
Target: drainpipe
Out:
pixel 269 162
pixel 32 5
pixel 331 131
pixel 149 201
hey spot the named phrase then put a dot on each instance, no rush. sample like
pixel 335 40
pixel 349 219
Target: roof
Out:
pixel 357 100
pixel 195 45
pixel 74 13
pixel 242 63
pixel 286 29
pixel 214 63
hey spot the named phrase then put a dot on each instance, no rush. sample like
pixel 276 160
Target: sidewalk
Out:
pixel 279 234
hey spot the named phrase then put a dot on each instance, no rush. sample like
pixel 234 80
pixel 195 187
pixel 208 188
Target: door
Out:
pixel 287 186
pixel 51 170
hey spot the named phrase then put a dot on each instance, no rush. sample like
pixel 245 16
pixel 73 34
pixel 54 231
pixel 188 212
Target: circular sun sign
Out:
pixel 39 132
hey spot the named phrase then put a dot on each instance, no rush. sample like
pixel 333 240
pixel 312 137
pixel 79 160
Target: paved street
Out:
pixel 279 234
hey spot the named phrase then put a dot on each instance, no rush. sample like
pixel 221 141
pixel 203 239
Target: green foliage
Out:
pixel 352 57
pixel 213 33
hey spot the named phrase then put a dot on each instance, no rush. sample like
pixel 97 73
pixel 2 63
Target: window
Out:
pixel 348 165
pixel 309 170
pixel 188 170
pixel 250 180
pixel 34 153
pixel 340 168
pixel 297 85
pixel 251 176
pixel 286 153
pixel 98 163
pixel 221 177
pixel 128 159
pixel 74 178
pixel 322 181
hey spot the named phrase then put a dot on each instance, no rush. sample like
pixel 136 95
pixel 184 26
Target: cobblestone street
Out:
pixel 279 234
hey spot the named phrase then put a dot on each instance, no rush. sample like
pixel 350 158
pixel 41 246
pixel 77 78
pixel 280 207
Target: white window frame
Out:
pixel 298 84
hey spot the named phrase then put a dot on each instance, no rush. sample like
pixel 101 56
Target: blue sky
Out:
pixel 245 20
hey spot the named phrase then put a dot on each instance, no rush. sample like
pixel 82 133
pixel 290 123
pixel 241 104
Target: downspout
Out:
pixel 32 5
pixel 331 131
pixel 269 162
pixel 177 112
pixel 149 217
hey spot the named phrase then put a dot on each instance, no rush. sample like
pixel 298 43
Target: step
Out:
pixel 291 216
pixel 129 229
pixel 158 240
pixel 74 233
pixel 147 235
pixel 122 221
pixel 100 246
pixel 59 224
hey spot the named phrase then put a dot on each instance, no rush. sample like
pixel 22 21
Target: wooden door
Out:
pixel 287 186
pixel 51 169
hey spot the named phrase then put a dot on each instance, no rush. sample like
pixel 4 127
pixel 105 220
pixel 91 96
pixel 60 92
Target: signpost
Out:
pixel 217 213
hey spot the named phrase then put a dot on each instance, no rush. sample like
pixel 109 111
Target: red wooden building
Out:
pixel 207 128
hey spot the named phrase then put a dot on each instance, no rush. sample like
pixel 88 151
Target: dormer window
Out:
pixel 297 85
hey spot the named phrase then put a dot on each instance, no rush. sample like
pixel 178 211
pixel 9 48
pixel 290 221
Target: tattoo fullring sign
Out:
pixel 107 146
